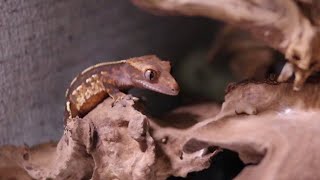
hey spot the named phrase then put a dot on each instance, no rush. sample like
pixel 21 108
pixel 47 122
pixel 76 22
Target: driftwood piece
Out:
pixel 169 134
pixel 273 146
pixel 118 143
pixel 281 24
pixel 252 97
pixel 66 160
pixel 9 167
pixel 279 142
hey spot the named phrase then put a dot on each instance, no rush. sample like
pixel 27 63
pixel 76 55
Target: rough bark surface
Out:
pixel 121 143
pixel 116 143
pixel 281 24
pixel 273 146
pixel 273 129
pixel 45 43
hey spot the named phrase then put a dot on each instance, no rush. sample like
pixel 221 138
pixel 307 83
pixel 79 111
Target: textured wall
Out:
pixel 44 43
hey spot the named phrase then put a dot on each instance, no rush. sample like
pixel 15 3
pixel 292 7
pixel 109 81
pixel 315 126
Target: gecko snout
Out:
pixel 175 89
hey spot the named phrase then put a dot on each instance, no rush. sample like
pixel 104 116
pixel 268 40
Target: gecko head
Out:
pixel 149 72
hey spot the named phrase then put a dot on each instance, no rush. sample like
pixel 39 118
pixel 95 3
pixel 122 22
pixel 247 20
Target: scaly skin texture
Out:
pixel 253 97
pixel 97 82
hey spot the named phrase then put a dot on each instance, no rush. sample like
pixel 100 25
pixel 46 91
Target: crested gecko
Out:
pixel 97 82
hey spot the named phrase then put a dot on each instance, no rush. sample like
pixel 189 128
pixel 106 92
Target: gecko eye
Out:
pixel 150 74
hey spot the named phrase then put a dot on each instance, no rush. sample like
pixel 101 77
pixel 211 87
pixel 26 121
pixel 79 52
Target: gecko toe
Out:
pixel 130 97
pixel 124 101
pixel 135 99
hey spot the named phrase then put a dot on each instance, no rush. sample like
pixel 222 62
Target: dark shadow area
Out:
pixel 225 166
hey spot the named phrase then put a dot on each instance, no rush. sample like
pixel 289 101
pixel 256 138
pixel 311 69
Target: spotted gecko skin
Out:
pixel 97 82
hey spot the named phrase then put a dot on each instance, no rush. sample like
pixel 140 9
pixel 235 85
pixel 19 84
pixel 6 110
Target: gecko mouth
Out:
pixel 164 89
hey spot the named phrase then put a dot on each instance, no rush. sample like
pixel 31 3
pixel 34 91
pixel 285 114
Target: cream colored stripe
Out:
pixel 102 64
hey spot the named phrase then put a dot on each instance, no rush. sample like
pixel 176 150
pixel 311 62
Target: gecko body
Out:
pixel 97 82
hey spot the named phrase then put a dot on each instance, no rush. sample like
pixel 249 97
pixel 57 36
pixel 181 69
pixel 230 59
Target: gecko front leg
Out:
pixel 118 96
